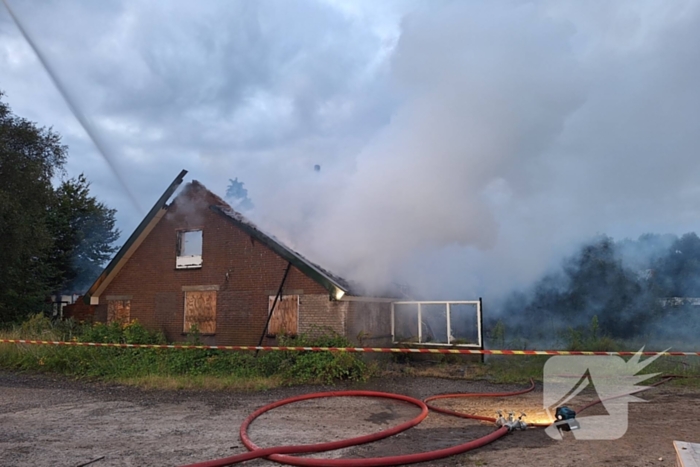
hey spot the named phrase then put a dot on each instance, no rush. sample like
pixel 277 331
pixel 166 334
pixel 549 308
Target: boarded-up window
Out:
pixel 118 310
pixel 285 317
pixel 200 309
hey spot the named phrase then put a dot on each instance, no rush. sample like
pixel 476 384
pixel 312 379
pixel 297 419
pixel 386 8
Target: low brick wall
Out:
pixel 318 314
pixel 79 311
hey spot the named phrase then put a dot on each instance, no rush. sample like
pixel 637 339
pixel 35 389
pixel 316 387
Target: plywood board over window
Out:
pixel 285 316
pixel 118 310
pixel 200 309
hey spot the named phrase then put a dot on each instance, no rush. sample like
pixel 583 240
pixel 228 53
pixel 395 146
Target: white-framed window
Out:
pixel 455 323
pixel 189 249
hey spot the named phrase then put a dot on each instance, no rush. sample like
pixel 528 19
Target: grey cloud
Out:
pixel 196 74
pixel 465 146
pixel 221 88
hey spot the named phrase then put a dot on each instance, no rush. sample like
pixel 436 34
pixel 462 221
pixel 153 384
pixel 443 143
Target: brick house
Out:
pixel 196 261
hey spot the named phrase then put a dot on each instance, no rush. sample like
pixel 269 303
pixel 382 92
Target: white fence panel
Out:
pixel 453 323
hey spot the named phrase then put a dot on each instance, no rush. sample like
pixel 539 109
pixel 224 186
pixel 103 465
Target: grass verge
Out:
pixel 170 368
pixel 520 369
pixel 198 369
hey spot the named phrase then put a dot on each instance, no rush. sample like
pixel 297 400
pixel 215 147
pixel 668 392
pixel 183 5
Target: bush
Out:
pixel 131 332
pixel 589 339
pixel 316 367
pixel 117 363
pixel 37 326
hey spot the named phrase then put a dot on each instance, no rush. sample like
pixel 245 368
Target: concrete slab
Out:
pixel 687 454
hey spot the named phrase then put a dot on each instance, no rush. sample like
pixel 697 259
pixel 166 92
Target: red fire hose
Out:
pixel 478 417
pixel 257 452
pixel 281 453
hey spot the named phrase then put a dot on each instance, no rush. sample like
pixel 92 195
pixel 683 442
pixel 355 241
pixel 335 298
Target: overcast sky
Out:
pixel 464 146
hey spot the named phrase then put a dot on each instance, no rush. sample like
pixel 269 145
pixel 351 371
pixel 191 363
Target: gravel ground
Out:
pixel 55 421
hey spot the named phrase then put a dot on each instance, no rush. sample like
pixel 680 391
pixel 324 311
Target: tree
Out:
pixel 678 273
pixel 84 232
pixel 238 195
pixel 30 156
pixel 601 286
pixel 594 283
pixel 51 239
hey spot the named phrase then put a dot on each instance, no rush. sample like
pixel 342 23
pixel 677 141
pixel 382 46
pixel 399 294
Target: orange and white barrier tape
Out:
pixel 346 349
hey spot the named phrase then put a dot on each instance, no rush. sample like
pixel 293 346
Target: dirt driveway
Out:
pixel 52 421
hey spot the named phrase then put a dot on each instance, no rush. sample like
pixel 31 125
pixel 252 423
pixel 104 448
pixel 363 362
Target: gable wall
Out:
pixel 154 285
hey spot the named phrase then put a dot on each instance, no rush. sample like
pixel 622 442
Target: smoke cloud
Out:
pixel 466 147
pixel 522 131
pixel 480 105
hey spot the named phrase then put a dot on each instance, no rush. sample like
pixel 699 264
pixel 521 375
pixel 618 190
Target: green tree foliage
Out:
pixel 84 233
pixel 623 288
pixel 52 240
pixel 30 156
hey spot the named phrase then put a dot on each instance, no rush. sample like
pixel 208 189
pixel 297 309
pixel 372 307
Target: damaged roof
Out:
pixel 336 285
pixel 330 281
pixel 314 271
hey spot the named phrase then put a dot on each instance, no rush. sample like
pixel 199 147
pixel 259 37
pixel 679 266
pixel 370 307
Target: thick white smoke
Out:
pixel 480 104
pixel 522 130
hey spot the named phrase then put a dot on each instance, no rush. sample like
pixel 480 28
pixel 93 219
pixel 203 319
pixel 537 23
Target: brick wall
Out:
pixel 79 311
pixel 244 270
pixel 317 313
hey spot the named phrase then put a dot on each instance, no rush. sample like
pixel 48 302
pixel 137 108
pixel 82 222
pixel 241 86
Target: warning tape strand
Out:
pixel 345 349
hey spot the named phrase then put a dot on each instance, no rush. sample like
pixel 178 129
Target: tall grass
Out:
pixel 197 368
pixel 170 367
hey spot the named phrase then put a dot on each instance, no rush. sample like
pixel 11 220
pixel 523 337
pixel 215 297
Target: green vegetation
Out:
pixel 54 239
pixel 173 368
pixel 238 196
pixel 521 369
pixel 509 369
pixel 211 369
pixel 590 339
